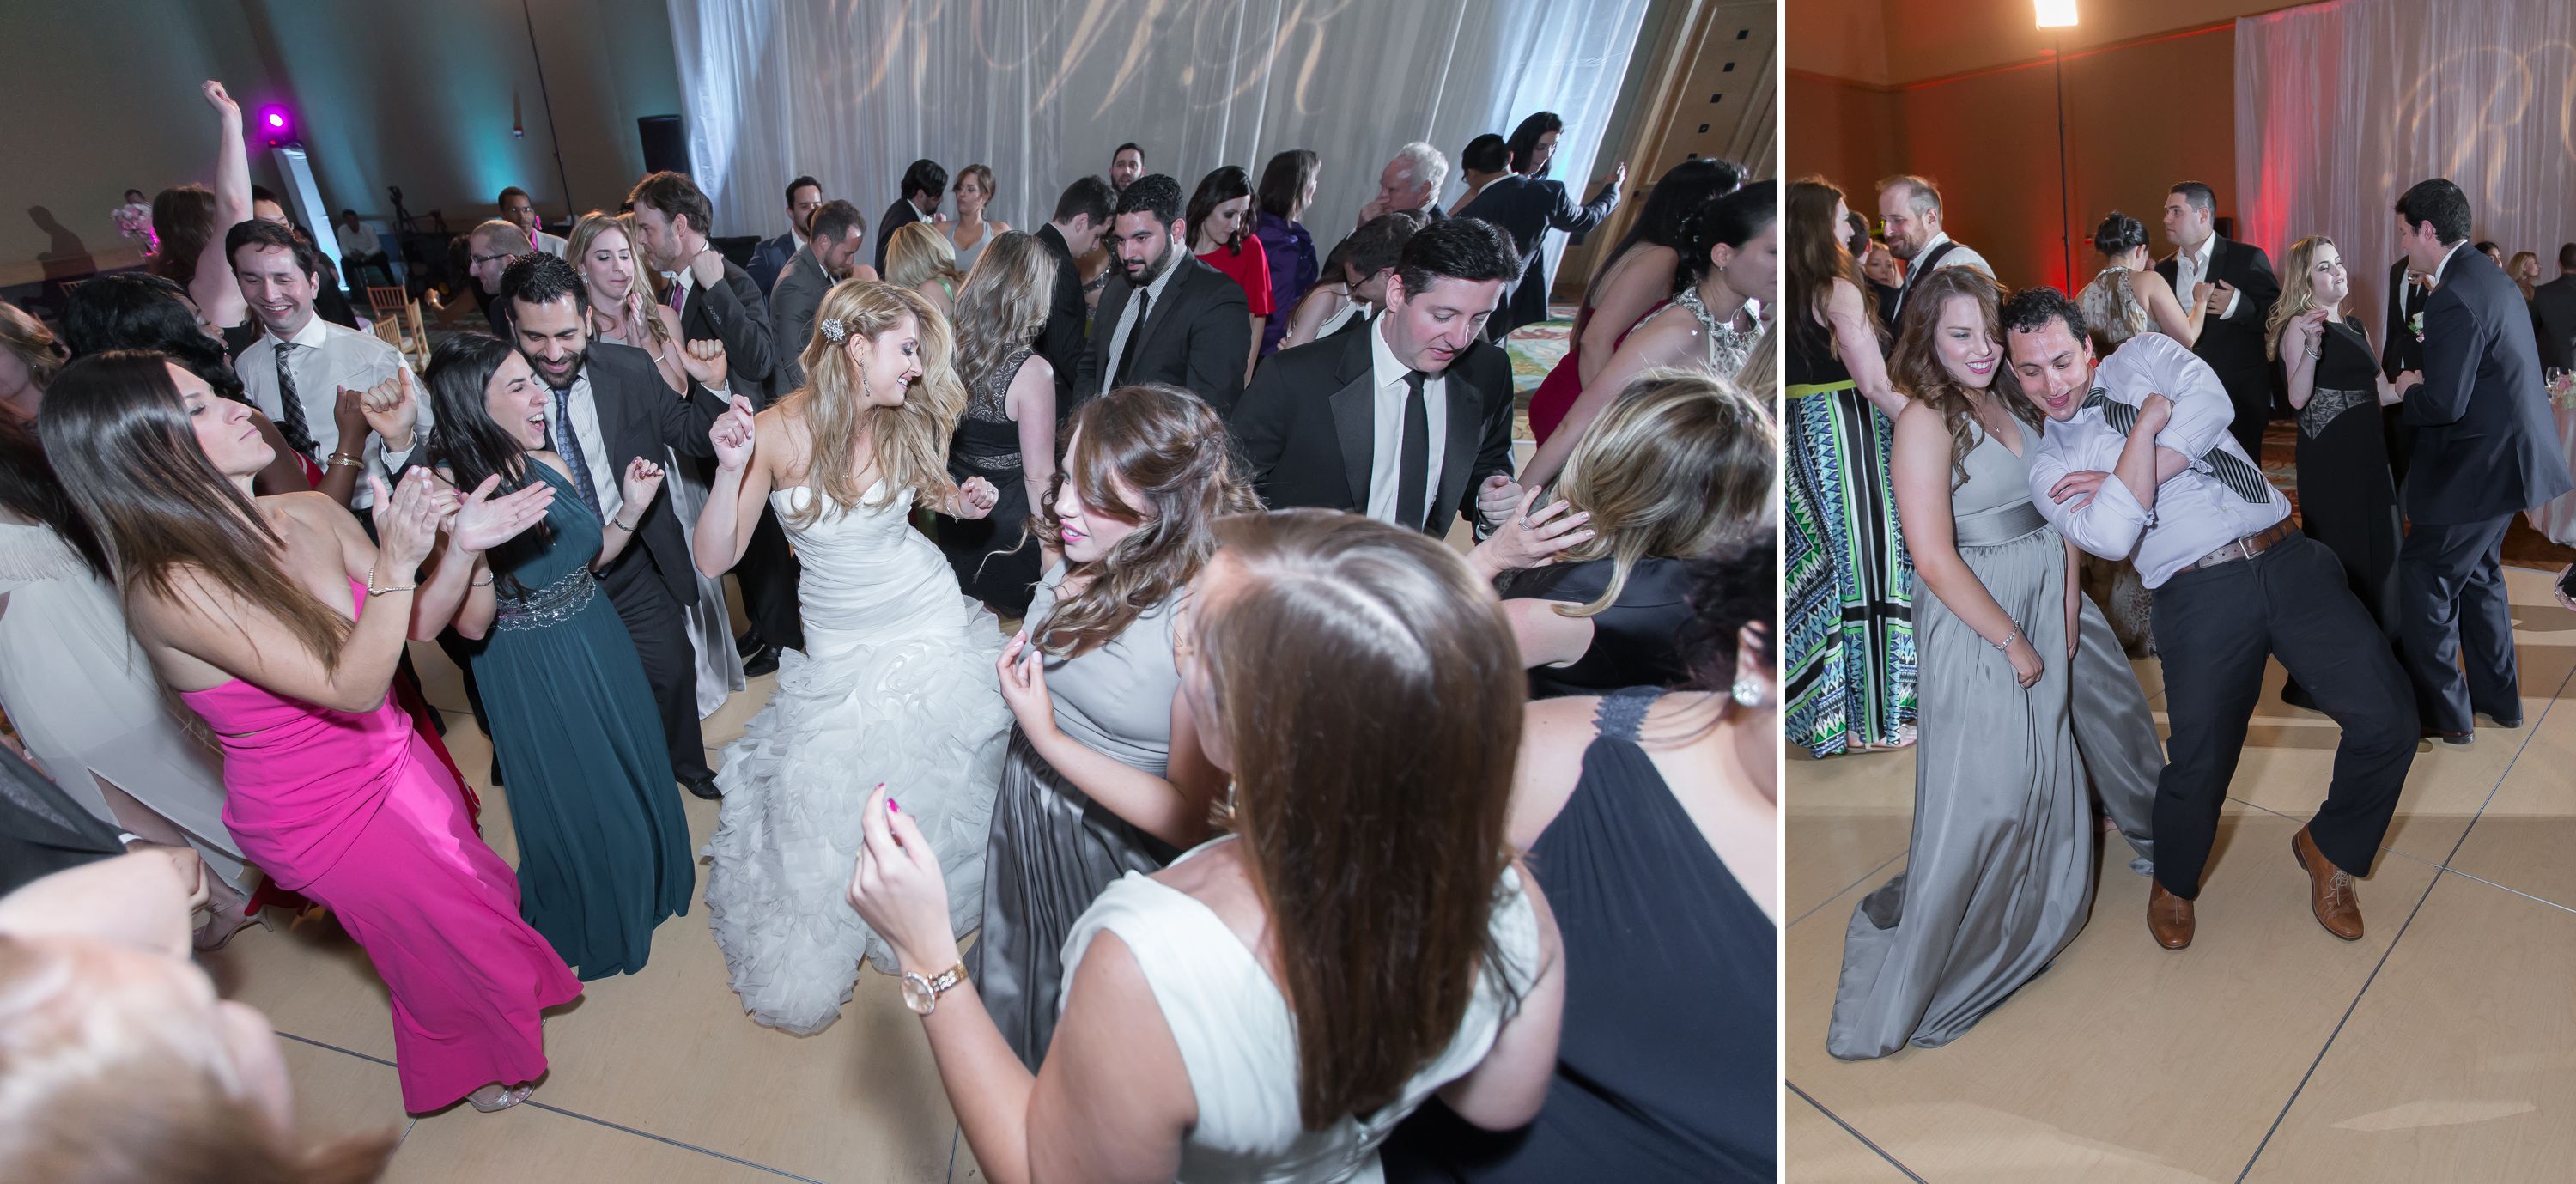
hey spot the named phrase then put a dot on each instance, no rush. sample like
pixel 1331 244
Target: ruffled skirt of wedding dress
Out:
pixel 918 712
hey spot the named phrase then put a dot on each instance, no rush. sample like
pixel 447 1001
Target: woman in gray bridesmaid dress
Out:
pixel 1999 873
pixel 1104 775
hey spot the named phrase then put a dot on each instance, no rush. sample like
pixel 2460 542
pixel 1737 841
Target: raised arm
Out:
pixel 2165 309
pixel 2200 407
pixel 1856 341
pixel 638 486
pixel 741 487
pixel 1920 467
pixel 218 297
pixel 1575 219
pixel 1637 282
pixel 2299 355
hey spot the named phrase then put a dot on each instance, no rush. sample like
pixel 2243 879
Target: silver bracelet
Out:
pixel 2006 643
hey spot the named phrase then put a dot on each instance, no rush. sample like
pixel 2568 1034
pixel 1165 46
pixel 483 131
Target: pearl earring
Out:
pixel 1748 692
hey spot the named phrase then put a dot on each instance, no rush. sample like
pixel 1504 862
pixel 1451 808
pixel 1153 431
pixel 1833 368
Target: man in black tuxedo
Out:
pixel 804 196
pixel 1081 217
pixel 2553 314
pixel 1165 317
pixel 1527 207
pixel 2400 351
pixel 2243 291
pixel 1410 421
pixel 923 183
pixel 611 407
pixel 717 301
pixel 2485 450
pixel 835 231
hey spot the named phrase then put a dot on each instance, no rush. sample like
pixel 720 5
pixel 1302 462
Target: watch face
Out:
pixel 917 994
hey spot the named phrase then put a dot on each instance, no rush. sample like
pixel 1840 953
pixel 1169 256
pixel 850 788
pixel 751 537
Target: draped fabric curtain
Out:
pixel 851 91
pixel 2341 106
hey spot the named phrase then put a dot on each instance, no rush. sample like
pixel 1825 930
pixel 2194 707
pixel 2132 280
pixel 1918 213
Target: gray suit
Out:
pixel 793 304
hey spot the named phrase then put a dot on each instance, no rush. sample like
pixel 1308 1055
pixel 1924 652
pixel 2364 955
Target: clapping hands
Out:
pixel 482 522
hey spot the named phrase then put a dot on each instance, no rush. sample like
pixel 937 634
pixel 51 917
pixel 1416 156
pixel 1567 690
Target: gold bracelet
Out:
pixel 342 458
pixel 373 590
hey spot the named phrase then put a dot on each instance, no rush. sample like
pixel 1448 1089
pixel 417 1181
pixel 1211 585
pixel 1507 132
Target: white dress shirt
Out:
pixel 2191 267
pixel 2445 266
pixel 2195 512
pixel 357 241
pixel 1127 318
pixel 327 357
pixel 582 407
pixel 1386 438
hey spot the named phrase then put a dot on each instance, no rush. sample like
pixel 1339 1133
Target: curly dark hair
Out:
pixel 1728 592
pixel 146 312
pixel 2030 310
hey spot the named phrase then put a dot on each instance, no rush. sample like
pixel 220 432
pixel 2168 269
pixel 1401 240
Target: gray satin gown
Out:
pixel 1053 849
pixel 1999 873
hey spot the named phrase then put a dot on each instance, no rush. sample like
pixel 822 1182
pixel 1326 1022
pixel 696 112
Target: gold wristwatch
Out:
pixel 922 994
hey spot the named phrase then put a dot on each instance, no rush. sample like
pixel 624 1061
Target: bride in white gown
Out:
pixel 896 684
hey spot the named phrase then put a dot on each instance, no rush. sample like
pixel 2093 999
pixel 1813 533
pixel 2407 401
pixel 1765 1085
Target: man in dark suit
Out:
pixel 2401 350
pixel 717 301
pixel 2231 335
pixel 2485 450
pixel 835 231
pixel 1082 215
pixel 804 196
pixel 611 408
pixel 2553 314
pixel 1165 316
pixel 1410 421
pixel 1527 208
pixel 923 183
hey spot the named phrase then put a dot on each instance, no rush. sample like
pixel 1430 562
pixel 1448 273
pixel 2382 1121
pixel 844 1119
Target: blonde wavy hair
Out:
pixel 1680 463
pixel 908 442
pixel 2298 291
pixel 22 334
pixel 118 1074
pixel 918 252
pixel 1003 304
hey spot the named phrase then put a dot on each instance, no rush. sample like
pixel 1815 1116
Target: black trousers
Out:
pixel 768 574
pixel 660 627
pixel 2452 611
pixel 2214 627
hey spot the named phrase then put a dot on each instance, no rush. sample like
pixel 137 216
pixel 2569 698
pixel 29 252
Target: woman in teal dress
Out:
pixel 603 849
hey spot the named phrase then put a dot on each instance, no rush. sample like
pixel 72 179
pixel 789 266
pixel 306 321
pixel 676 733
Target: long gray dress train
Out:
pixel 1999 873
pixel 1053 849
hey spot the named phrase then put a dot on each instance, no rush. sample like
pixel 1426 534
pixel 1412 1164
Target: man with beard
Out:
pixel 1911 208
pixel 611 407
pixel 829 256
pixel 1165 317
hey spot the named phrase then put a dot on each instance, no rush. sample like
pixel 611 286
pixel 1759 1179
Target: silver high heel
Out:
pixel 509 1097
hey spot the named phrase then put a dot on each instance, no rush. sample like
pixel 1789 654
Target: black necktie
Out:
pixel 1413 464
pixel 298 436
pixel 1135 336
pixel 2232 472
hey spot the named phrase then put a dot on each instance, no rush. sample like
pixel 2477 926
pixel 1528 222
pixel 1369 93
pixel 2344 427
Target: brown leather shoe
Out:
pixel 2168 918
pixel 2330 893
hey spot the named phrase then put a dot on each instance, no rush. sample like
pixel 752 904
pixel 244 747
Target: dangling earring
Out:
pixel 1748 692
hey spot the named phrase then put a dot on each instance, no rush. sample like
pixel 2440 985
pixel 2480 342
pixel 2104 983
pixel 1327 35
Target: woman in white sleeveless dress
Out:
pixel 1269 1006
pixel 895 685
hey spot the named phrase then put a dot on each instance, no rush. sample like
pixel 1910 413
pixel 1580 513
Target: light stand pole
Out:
pixel 2065 196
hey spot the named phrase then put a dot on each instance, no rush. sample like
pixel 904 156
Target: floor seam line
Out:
pixel 336 1048
pixel 2508 888
pixel 1854 1132
pixel 2530 730
pixel 1838 892
pixel 955 1132
pixel 644 1134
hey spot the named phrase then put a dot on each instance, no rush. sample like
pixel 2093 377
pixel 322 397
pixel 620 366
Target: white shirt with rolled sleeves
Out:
pixel 2195 512
pixel 326 358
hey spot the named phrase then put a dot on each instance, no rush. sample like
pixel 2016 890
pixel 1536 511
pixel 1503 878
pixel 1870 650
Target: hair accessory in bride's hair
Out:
pixel 834 330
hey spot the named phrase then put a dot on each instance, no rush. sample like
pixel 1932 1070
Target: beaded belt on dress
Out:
pixel 999 462
pixel 553 604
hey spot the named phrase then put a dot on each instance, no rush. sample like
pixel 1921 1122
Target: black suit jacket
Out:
pixel 639 415
pixel 1526 209
pixel 734 313
pixel 2486 445
pixel 1308 427
pixel 2399 352
pixel 2553 322
pixel 896 217
pixel 793 305
pixel 1198 335
pixel 2234 346
pixel 770 258
pixel 1062 341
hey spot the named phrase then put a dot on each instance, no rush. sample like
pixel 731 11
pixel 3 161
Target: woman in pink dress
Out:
pixel 279 624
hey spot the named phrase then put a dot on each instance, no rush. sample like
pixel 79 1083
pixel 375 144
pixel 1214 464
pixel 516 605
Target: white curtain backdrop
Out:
pixel 851 91
pixel 2341 106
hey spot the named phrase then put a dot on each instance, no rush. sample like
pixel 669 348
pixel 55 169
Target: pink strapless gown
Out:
pixel 1564 382
pixel 353 810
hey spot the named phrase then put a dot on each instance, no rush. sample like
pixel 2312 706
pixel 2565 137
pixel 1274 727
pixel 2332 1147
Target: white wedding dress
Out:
pixel 896 685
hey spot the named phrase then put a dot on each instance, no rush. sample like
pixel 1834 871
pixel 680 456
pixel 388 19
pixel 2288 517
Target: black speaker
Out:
pixel 666 146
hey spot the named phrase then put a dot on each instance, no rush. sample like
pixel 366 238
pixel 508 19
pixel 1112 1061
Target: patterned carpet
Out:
pixel 1535 350
pixel 2523 546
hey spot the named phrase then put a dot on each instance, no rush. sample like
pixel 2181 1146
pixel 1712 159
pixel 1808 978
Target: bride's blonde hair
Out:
pixel 909 441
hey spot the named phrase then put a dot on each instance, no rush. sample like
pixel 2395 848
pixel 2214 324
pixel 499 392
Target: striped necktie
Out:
pixel 2232 471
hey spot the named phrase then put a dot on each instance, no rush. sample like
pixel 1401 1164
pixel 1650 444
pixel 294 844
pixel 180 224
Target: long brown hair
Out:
pixel 1915 368
pixel 909 441
pixel 183 220
pixel 1816 257
pixel 1371 696
pixel 118 435
pixel 1003 304
pixel 137 1091
pixel 1676 464
pixel 1171 448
